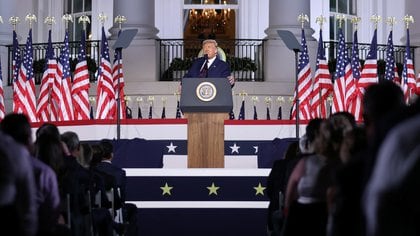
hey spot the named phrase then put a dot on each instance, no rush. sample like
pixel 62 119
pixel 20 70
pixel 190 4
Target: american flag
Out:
pixel 140 116
pixel 255 113
pixel 18 86
pixel 369 74
pixel 117 73
pixel 163 116
pixel 408 76
pixel 279 113
pixel 43 111
pixel 322 86
pixel 241 115
pixel 354 96
pixel 343 75
pixel 304 85
pixel 150 111
pixel 231 115
pixel 391 72
pixel 105 108
pixel 268 117
pixel 65 111
pixel 80 89
pixel 2 112
pixel 418 85
pixel 178 111
pixel 26 80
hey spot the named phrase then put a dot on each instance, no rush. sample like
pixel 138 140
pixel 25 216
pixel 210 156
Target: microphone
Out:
pixel 206 56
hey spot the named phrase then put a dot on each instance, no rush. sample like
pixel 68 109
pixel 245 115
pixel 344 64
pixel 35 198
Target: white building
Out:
pixel 164 19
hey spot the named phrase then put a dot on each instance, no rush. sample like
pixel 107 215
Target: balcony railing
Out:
pixel 245 56
pixel 39 50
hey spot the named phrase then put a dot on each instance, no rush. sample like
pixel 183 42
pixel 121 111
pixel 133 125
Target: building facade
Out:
pixel 167 19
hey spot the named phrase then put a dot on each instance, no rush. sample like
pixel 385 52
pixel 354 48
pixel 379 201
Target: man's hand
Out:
pixel 231 79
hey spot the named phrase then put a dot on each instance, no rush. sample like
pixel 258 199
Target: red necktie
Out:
pixel 203 71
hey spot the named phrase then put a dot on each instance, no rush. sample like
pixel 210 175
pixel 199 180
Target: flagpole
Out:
pixel 119 19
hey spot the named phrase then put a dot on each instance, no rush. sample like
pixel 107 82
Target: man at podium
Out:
pixel 210 66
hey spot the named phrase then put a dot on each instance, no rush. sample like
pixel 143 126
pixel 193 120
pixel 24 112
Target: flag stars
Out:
pixel 259 190
pixel 213 189
pixel 235 148
pixel 171 148
pixel 256 149
pixel 166 189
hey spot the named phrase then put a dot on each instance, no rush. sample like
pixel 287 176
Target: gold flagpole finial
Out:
pixel 102 18
pixel 355 21
pixel 280 99
pixel 243 94
pixel 268 100
pixel 302 18
pixel 255 99
pixel 164 99
pixel 340 18
pixel 150 99
pixel 66 18
pixel 120 20
pixel 320 20
pixel 49 20
pixel 84 20
pixel 408 20
pixel 31 18
pixel 391 21
pixel 375 19
pixel 14 20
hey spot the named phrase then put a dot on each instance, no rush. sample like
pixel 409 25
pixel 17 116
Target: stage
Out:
pixel 175 200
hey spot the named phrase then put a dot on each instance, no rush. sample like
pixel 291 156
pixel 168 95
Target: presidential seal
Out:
pixel 206 91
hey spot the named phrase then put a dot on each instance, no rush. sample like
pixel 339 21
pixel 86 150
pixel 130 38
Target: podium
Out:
pixel 206 103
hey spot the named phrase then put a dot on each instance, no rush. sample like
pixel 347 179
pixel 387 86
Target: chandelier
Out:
pixel 212 20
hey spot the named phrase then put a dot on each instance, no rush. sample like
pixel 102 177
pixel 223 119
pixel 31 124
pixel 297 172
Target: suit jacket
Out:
pixel 117 172
pixel 218 69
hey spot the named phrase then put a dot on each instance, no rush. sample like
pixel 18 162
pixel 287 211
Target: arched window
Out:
pixel 78 8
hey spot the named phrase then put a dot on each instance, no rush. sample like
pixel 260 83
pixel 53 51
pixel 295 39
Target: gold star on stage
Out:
pixel 259 189
pixel 213 189
pixel 166 189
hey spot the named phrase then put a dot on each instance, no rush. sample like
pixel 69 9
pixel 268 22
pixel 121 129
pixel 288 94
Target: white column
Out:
pixel 140 59
pixel 140 15
pixel 411 7
pixel 279 60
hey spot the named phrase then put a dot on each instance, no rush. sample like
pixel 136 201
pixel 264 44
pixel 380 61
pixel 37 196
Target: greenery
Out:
pixel 241 64
pixel 381 67
pixel 39 65
pixel 180 64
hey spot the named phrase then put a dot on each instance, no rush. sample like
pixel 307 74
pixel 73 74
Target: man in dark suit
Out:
pixel 210 66
pixel 129 210
pixel 106 166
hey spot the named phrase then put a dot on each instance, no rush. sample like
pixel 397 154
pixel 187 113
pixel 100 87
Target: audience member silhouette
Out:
pixel 18 205
pixel 380 104
pixel 305 203
pixel 391 196
pixel 276 186
pixel 47 196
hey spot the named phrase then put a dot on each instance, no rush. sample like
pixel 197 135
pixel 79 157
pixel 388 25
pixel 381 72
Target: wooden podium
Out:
pixel 206 147
pixel 206 103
